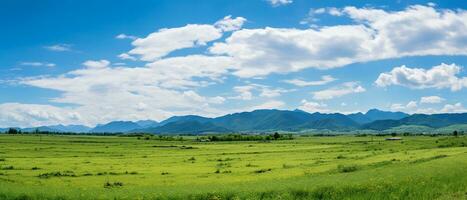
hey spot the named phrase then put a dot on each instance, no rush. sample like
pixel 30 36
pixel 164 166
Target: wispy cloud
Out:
pixel 38 64
pixel 301 83
pixel 338 91
pixel 59 47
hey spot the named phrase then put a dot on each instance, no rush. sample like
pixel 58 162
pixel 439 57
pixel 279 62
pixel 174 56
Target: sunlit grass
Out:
pixel 91 167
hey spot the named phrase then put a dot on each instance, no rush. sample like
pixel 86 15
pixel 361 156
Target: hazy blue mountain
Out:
pixel 382 124
pixel 188 127
pixel 375 114
pixel 116 127
pixel 40 128
pixel 360 118
pixel 334 121
pixel 271 120
pixel 257 120
pixel 433 121
pixel 436 120
pixel 147 123
pixel 184 118
pixel 71 128
pixel 263 120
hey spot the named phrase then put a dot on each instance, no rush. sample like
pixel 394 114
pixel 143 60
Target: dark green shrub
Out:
pixel 347 169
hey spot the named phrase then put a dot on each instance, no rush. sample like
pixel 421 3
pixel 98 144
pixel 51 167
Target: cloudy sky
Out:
pixel 90 62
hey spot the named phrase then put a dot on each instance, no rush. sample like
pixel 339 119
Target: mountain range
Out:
pixel 270 120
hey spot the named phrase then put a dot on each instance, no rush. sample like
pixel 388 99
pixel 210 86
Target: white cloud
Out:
pixel 96 64
pixel 125 56
pixel 431 99
pixel 38 64
pixel 441 76
pixel 411 105
pixel 125 36
pixel 311 107
pixel 59 47
pixel 454 108
pixel 338 91
pixel 376 34
pixel 245 92
pixel 301 83
pixel 159 44
pixel 335 11
pixel 431 4
pixel 27 115
pixel 161 89
pixel 272 104
pixel 229 24
pixel 276 3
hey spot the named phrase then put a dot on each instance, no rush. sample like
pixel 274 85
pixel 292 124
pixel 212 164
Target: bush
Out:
pixel 262 171
pixel 114 184
pixel 8 168
pixel 347 169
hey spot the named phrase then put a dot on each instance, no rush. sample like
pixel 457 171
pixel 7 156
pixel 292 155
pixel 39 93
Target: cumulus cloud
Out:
pixel 229 24
pixel 125 56
pixel 96 64
pixel 59 47
pixel 431 99
pixel 245 92
pixel 301 83
pixel 276 3
pixel 377 34
pixel 26 115
pixel 159 90
pixel 164 41
pixel 454 108
pixel 441 76
pixel 159 44
pixel 311 107
pixel 338 91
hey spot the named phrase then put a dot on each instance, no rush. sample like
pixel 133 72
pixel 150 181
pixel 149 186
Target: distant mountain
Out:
pixel 275 120
pixel 258 120
pixel 188 127
pixel 147 123
pixel 71 128
pixel 360 118
pixel 116 127
pixel 433 121
pixel 263 120
pixel 184 118
pixel 375 114
pixel 40 128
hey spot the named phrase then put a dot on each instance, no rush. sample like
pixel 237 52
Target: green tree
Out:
pixel 276 135
pixel 12 131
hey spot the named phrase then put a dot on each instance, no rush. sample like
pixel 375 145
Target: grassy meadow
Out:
pixel 340 167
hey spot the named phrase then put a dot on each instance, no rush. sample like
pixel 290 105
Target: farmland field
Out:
pixel 341 167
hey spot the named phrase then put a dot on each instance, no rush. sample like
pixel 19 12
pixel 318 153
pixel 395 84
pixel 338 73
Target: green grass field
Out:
pixel 342 167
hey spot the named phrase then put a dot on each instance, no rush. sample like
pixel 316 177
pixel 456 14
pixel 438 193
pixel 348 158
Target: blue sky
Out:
pixel 89 62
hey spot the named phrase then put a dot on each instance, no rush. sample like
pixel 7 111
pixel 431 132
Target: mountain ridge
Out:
pixel 268 120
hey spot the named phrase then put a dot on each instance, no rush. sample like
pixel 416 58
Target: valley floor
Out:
pixel 341 167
